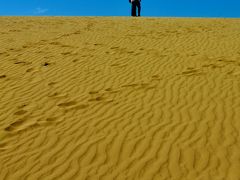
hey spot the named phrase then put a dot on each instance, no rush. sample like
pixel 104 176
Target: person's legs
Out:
pixel 134 8
pixel 139 8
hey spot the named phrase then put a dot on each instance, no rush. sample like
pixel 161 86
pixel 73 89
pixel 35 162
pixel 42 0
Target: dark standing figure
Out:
pixel 136 4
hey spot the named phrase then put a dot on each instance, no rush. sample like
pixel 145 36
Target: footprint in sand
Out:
pixel 72 105
pixel 3 76
pixel 66 35
pixel 20 125
pixel 93 92
pixel 52 83
pixel 189 72
pixel 14 30
pixel 192 72
pixel 23 62
pixel 116 47
pixel 3 145
pixel 15 126
pixel 108 89
pixel 25 46
pixel 58 95
pixel 2 53
pixel 55 43
pixel 44 40
pixel 30 70
pixel 46 64
pixel 213 66
pixel 15 50
pixel 75 60
pixel 66 104
pixel 226 61
pixel 22 106
pixel 77 32
pixel 53 94
pixel 81 106
pixel 99 98
pixel 39 52
pixel 21 112
pixel 97 44
pixel 51 119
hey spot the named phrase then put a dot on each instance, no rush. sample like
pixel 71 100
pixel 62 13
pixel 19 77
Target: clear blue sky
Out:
pixel 179 8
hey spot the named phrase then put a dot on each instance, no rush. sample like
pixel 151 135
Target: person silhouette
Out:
pixel 136 4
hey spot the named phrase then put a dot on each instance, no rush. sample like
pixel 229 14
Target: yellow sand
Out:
pixel 119 98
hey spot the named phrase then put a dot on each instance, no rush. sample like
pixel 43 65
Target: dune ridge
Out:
pixel 119 98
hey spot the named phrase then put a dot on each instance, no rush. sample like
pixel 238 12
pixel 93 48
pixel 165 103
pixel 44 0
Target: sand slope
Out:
pixel 119 98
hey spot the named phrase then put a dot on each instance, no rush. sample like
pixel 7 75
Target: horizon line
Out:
pixel 194 17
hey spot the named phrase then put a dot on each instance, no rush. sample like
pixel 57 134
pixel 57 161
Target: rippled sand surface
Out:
pixel 103 98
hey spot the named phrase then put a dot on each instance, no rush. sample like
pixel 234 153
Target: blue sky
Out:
pixel 163 8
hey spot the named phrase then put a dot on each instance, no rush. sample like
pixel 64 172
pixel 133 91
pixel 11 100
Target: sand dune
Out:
pixel 119 98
